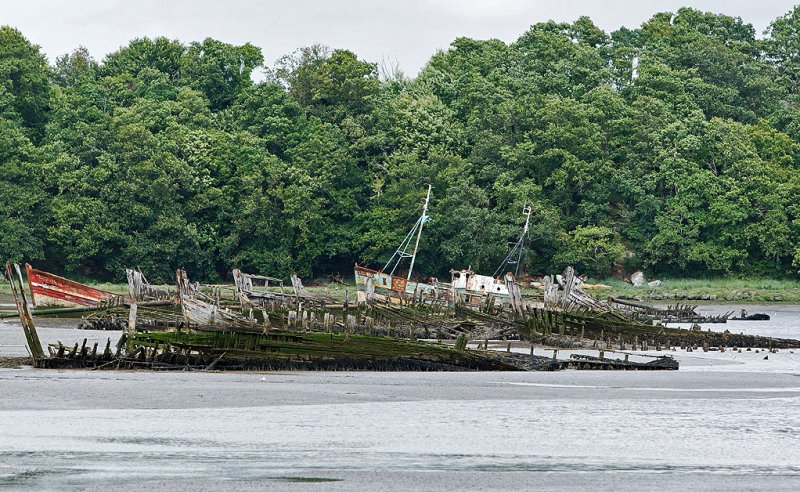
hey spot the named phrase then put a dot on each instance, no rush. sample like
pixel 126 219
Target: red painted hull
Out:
pixel 48 290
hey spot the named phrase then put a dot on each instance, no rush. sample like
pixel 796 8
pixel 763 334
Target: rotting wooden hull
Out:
pixel 374 285
pixel 48 289
pixel 305 351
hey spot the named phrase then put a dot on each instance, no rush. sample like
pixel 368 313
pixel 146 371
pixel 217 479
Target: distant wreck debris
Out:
pixel 140 290
pixel 679 313
pixel 254 290
pixel 752 317
pixel 259 291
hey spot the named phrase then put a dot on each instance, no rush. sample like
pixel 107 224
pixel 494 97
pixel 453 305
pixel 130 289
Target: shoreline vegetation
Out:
pixel 720 290
pixel 672 147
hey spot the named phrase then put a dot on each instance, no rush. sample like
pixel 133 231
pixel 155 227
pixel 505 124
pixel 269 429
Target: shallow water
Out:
pixel 784 322
pixel 724 421
pixel 50 330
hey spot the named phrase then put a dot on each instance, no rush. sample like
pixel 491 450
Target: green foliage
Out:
pixel 24 84
pixel 674 146
pixel 593 250
pixel 159 54
pixel 221 71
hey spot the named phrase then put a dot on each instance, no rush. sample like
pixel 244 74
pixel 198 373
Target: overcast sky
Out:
pixel 407 32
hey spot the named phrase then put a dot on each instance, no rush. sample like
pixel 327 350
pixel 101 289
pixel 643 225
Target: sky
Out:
pixel 401 33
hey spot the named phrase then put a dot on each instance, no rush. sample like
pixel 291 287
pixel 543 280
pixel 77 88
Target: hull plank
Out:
pixel 48 289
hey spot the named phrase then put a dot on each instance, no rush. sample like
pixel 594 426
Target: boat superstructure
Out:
pixel 474 289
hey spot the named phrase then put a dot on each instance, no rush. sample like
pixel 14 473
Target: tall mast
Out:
pixel 527 211
pixel 519 246
pixel 419 232
pixel 405 244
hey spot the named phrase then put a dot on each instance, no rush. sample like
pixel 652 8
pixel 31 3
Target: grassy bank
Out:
pixel 719 290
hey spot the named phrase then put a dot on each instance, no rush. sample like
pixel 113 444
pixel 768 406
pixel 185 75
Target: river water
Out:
pixel 724 421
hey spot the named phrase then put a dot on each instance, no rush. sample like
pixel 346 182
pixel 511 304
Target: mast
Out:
pixel 422 221
pixel 402 250
pixel 515 255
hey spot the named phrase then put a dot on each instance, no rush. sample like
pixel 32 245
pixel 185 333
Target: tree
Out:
pixel 160 54
pixel 592 250
pixel 334 85
pixel 783 46
pixel 24 84
pixel 220 70
pixel 671 146
pixel 22 198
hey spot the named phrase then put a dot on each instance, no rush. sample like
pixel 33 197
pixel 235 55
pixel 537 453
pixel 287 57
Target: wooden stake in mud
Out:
pixel 25 318
pixel 131 328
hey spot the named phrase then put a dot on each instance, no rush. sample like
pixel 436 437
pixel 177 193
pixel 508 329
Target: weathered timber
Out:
pixel 139 289
pixel 23 310
pixel 312 351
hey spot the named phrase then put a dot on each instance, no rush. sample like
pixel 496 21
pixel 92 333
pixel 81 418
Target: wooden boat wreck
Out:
pixel 208 332
pixel 140 290
pixel 260 291
pixel 472 289
pixel 48 289
pixel 476 290
pixel 377 285
pixel 218 337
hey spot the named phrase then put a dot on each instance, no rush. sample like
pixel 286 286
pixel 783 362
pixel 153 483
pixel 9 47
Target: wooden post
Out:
pixel 345 306
pixel 25 318
pixel 131 329
pixel 183 291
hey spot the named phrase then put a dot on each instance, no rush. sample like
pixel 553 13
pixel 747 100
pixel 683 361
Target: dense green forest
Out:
pixel 674 147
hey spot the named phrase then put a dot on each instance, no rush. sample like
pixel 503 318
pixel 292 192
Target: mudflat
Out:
pixel 694 428
pixel 725 420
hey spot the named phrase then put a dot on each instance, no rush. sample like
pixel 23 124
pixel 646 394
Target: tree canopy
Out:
pixel 673 147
